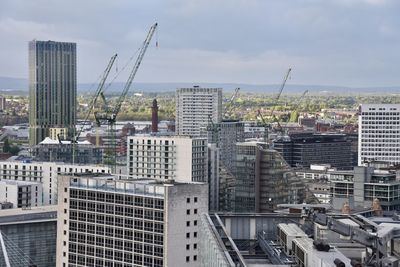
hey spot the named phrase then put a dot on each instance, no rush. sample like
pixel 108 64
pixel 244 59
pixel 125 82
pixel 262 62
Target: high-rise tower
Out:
pixel 52 89
pixel 195 107
pixel 379 133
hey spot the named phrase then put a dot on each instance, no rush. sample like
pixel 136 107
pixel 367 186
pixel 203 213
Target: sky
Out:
pixel 326 42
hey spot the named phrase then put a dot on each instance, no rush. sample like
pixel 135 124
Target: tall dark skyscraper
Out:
pixel 52 89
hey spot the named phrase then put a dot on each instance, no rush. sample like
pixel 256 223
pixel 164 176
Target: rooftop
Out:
pixel 33 214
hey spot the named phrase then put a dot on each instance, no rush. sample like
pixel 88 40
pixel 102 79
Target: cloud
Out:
pixel 347 42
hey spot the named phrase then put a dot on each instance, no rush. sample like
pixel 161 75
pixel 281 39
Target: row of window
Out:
pixel 117 198
pixel 118 222
pixel 126 235
pixel 136 259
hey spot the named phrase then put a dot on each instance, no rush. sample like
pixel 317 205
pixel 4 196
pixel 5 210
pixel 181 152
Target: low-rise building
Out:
pixel 304 149
pixel 53 150
pixel 45 173
pixel 180 158
pixel 29 236
pixel 22 194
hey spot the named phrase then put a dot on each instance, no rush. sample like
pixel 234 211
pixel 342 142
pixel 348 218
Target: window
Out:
pixel 187 223
pixel 187 246
pixel 195 246
pixel 195 257
pixel 187 258
pixel 187 235
pixel 188 200
pixel 187 212
pixel 195 199
pixel 195 211
pixel 195 222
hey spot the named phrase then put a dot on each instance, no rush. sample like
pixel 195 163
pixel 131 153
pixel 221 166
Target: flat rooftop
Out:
pixel 33 214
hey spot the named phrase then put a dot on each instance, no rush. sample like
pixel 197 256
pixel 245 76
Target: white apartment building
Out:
pixel 379 133
pixel 21 194
pixel 45 173
pixel 194 107
pixel 181 158
pixel 107 222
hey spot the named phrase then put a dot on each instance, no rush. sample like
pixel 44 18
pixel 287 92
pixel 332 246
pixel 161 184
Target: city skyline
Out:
pixel 349 43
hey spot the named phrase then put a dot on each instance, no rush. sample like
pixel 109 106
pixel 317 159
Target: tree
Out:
pixel 14 150
pixel 6 146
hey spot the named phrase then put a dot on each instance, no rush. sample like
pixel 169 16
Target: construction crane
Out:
pixel 280 92
pixel 229 107
pixel 109 116
pixel 91 106
pixel 266 125
pixel 98 92
pixel 297 104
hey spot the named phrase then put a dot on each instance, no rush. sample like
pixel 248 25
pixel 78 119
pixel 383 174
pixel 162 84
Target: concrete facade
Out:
pixel 45 173
pixel 180 158
pixel 195 107
pixel 103 221
pixel 379 133
pixel 21 194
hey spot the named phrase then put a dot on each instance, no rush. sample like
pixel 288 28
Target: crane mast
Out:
pixel 134 71
pixel 229 107
pixel 109 116
pixel 280 91
pixel 99 92
pixel 91 105
pixel 266 125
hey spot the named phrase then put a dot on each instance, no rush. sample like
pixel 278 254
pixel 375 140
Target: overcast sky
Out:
pixel 326 42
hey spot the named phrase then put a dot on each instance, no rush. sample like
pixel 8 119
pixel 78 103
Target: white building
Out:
pixel 379 133
pixel 108 222
pixel 45 173
pixel 195 107
pixel 180 158
pixel 21 194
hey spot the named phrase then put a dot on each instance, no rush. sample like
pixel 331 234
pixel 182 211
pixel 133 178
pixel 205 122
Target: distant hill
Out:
pixel 18 86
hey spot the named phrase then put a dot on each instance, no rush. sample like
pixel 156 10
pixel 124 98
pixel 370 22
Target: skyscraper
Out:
pixel 195 107
pixel 379 133
pixel 52 89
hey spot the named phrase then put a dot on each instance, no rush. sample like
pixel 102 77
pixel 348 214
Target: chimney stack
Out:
pixel 154 117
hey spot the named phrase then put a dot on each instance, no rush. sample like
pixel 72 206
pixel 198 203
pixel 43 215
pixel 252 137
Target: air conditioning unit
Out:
pixel 390 262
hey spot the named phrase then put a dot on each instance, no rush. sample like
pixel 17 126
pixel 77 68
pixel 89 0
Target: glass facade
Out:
pixel 52 88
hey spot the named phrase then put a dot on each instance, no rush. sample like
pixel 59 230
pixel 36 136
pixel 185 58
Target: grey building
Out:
pixel 304 149
pixel 379 133
pixel 107 222
pixel 195 107
pixel 364 184
pixel 50 150
pixel 29 236
pixel 226 134
pixel 262 180
pixel 222 140
pixel 52 89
